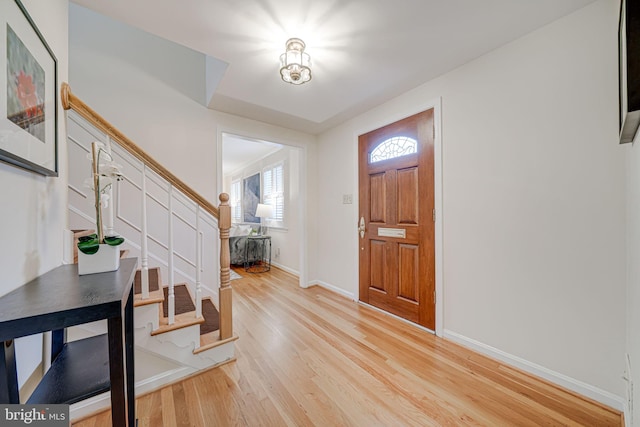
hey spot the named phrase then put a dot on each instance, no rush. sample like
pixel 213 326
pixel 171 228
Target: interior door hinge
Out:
pixel 434 297
pixel 433 215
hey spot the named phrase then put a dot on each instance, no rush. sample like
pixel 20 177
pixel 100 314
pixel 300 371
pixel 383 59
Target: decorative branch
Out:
pixel 102 177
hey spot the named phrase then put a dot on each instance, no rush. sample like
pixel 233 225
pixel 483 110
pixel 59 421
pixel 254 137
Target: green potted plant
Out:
pixel 98 252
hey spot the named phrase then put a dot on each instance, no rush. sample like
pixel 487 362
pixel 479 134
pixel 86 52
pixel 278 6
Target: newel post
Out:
pixel 225 301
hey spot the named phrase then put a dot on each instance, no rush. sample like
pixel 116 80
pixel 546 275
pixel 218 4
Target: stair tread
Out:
pixel 181 321
pixel 156 296
pixel 212 340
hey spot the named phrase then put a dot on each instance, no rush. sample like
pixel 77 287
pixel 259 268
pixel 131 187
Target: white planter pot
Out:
pixel 106 259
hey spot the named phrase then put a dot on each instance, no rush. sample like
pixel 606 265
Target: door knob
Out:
pixel 361 228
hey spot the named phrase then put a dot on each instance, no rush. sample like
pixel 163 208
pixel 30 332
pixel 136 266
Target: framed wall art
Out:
pixel 629 69
pixel 251 198
pixel 28 93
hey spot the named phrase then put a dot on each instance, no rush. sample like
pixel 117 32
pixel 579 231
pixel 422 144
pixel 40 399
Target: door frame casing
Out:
pixel 436 105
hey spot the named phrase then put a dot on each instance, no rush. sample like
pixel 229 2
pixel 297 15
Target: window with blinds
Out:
pixel 273 191
pixel 236 201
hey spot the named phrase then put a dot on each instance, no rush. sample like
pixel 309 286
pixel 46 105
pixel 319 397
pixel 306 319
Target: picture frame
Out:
pixel 28 93
pixel 629 70
pixel 250 198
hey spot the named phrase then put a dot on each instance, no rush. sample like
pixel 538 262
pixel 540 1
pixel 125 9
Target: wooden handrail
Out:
pixel 70 101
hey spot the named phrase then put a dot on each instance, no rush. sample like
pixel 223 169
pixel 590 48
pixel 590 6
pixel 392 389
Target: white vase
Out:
pixel 106 259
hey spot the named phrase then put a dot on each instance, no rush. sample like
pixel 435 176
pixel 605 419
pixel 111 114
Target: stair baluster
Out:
pixel 144 251
pixel 172 297
pixel 198 265
pixel 111 202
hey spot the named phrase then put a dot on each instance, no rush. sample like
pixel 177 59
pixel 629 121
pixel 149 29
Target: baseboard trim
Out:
pixel 333 288
pixel 285 268
pixel 606 398
pixel 627 416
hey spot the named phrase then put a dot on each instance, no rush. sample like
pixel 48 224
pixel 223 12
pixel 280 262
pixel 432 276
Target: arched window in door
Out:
pixel 391 148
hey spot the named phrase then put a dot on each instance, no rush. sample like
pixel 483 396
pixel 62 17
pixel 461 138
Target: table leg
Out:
pixel 268 258
pixel 8 373
pixel 129 343
pixel 117 372
pixel 58 339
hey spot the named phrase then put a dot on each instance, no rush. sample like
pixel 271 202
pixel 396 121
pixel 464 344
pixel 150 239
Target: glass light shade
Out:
pixel 295 63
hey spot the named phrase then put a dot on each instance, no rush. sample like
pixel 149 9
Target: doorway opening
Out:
pixel 257 172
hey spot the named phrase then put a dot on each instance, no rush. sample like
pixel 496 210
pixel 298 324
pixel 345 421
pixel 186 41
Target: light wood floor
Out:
pixel 314 358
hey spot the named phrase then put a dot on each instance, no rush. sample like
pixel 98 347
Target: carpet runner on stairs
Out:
pixel 211 317
pixel 154 277
pixel 184 304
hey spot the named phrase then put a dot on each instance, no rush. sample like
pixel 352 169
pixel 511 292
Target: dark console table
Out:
pixel 80 369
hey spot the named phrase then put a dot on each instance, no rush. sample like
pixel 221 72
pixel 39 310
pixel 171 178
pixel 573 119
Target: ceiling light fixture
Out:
pixel 294 63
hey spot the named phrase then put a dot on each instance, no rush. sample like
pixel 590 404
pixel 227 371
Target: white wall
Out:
pixel 33 208
pixel 533 194
pixel 633 265
pixel 123 87
pixel 177 66
pixel 633 270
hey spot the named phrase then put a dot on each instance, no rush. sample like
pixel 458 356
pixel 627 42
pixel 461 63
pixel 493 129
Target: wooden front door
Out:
pixel 396 224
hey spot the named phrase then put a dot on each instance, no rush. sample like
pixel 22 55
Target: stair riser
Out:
pixel 183 338
pixel 147 315
pixel 178 345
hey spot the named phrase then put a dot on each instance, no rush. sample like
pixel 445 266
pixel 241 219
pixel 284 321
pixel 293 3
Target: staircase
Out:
pixel 182 290
pixel 191 340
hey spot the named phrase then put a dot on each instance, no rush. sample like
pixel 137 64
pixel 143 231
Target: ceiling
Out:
pixel 363 52
pixel 238 152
